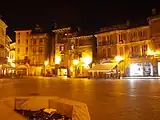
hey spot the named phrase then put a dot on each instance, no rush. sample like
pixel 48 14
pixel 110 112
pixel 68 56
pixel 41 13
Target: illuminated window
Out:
pixel 144 50
pixel 62 48
pixel 72 46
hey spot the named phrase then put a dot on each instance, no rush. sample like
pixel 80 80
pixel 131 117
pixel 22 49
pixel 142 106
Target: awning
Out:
pixel 21 67
pixel 103 67
pixel 6 66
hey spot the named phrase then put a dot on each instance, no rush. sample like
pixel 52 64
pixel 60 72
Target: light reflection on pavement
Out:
pixel 106 99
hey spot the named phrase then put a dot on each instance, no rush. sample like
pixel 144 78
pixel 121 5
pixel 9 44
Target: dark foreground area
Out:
pixel 41 115
pixel 106 99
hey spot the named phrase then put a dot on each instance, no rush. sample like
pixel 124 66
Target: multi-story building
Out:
pixel 22 51
pixel 61 53
pixel 82 54
pixel 31 51
pixel 132 44
pixel 4 49
pixel 73 53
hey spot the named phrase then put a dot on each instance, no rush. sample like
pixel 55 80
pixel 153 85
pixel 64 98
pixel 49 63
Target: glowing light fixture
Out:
pixel 75 62
pixel 119 58
pixel 45 63
pixel 13 65
pixel 57 60
pixel 150 52
pixel 87 60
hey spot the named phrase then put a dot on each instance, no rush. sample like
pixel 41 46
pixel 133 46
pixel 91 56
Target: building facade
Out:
pixel 73 53
pixel 133 45
pixel 4 49
pixel 31 52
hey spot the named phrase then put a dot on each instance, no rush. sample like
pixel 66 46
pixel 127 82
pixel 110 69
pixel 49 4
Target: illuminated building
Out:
pixel 60 53
pixel 4 49
pixel 31 51
pixel 73 53
pixel 82 55
pixel 131 43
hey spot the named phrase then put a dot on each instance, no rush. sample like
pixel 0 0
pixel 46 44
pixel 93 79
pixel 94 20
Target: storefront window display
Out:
pixel 141 69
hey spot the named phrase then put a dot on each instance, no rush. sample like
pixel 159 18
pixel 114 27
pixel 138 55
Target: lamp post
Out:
pixel 45 64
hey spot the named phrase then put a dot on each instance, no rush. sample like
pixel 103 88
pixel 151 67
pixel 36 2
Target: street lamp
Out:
pixel 45 64
pixel 87 60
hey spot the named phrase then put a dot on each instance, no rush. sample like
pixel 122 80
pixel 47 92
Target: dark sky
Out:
pixel 87 14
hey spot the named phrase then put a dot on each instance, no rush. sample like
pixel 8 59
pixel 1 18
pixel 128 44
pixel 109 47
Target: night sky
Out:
pixel 86 14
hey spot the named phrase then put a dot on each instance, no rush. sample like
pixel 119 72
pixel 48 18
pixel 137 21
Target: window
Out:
pixel 26 41
pixel 27 34
pixel 62 48
pixel 120 38
pixel 99 40
pixel 34 41
pixel 140 34
pixel 18 41
pixel 41 41
pixel 40 49
pixel 103 40
pixel 144 50
pixel 34 50
pixel 26 49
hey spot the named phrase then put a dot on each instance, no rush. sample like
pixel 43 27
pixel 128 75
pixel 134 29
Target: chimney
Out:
pixel 154 11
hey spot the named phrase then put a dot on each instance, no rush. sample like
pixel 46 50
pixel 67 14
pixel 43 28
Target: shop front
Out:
pixel 141 69
pixel 104 71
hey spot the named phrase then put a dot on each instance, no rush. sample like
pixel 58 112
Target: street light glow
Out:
pixel 150 52
pixel 45 63
pixel 75 62
pixel 119 58
pixel 13 65
pixel 87 60
pixel 57 60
